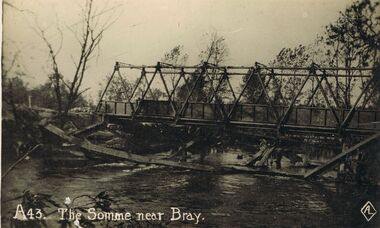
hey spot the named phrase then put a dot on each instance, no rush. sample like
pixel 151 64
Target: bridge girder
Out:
pixel 258 85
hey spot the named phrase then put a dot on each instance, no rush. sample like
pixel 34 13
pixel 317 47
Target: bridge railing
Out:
pixel 244 113
pixel 277 97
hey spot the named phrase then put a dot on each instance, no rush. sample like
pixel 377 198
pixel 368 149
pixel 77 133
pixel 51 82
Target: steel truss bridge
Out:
pixel 251 97
pixel 314 102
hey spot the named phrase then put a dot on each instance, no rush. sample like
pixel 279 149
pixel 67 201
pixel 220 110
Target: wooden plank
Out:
pixel 265 156
pixel 238 168
pixel 256 156
pixel 149 160
pixel 351 151
pixel 141 159
pixel 87 129
pixel 123 154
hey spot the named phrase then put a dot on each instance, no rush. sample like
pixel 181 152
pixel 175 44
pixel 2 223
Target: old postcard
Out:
pixel 190 113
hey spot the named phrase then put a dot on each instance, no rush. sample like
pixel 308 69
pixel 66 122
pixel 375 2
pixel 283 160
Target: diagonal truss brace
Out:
pixel 251 72
pixel 184 106
pixel 116 68
pixel 350 114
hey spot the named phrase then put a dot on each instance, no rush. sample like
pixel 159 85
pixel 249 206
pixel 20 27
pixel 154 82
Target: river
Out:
pixel 228 200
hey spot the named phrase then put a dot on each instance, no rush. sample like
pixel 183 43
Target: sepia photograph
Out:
pixel 190 113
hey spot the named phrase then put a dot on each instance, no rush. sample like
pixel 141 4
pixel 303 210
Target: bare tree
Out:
pixel 216 50
pixel 89 38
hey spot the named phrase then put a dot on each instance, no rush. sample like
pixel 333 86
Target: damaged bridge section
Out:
pixel 246 98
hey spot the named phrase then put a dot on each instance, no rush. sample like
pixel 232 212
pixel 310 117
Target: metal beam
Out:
pixel 267 95
pixel 348 118
pixel 167 91
pixel 200 75
pixel 145 92
pixel 327 99
pixel 251 72
pixel 116 68
pixel 287 112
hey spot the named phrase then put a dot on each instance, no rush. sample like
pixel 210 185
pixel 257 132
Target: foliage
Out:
pixel 175 57
pixel 119 89
pixel 351 41
pixel 199 94
pixel 215 53
pixel 355 36
pixel 292 57
pixel 216 50
pixel 354 41
pixel 44 96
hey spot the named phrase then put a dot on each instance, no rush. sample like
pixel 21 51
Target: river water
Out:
pixel 228 200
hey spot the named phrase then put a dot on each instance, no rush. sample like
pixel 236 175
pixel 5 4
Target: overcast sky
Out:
pixel 255 30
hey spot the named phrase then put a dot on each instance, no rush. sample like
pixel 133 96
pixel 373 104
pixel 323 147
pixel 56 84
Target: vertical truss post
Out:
pixel 167 90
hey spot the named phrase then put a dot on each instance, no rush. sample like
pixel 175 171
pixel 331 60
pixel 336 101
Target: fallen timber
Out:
pixel 119 154
pixel 349 152
pixel 87 129
pixel 263 155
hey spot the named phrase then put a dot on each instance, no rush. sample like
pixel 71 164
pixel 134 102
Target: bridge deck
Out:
pixel 301 118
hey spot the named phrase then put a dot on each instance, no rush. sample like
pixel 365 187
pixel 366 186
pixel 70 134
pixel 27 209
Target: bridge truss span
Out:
pixel 316 99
